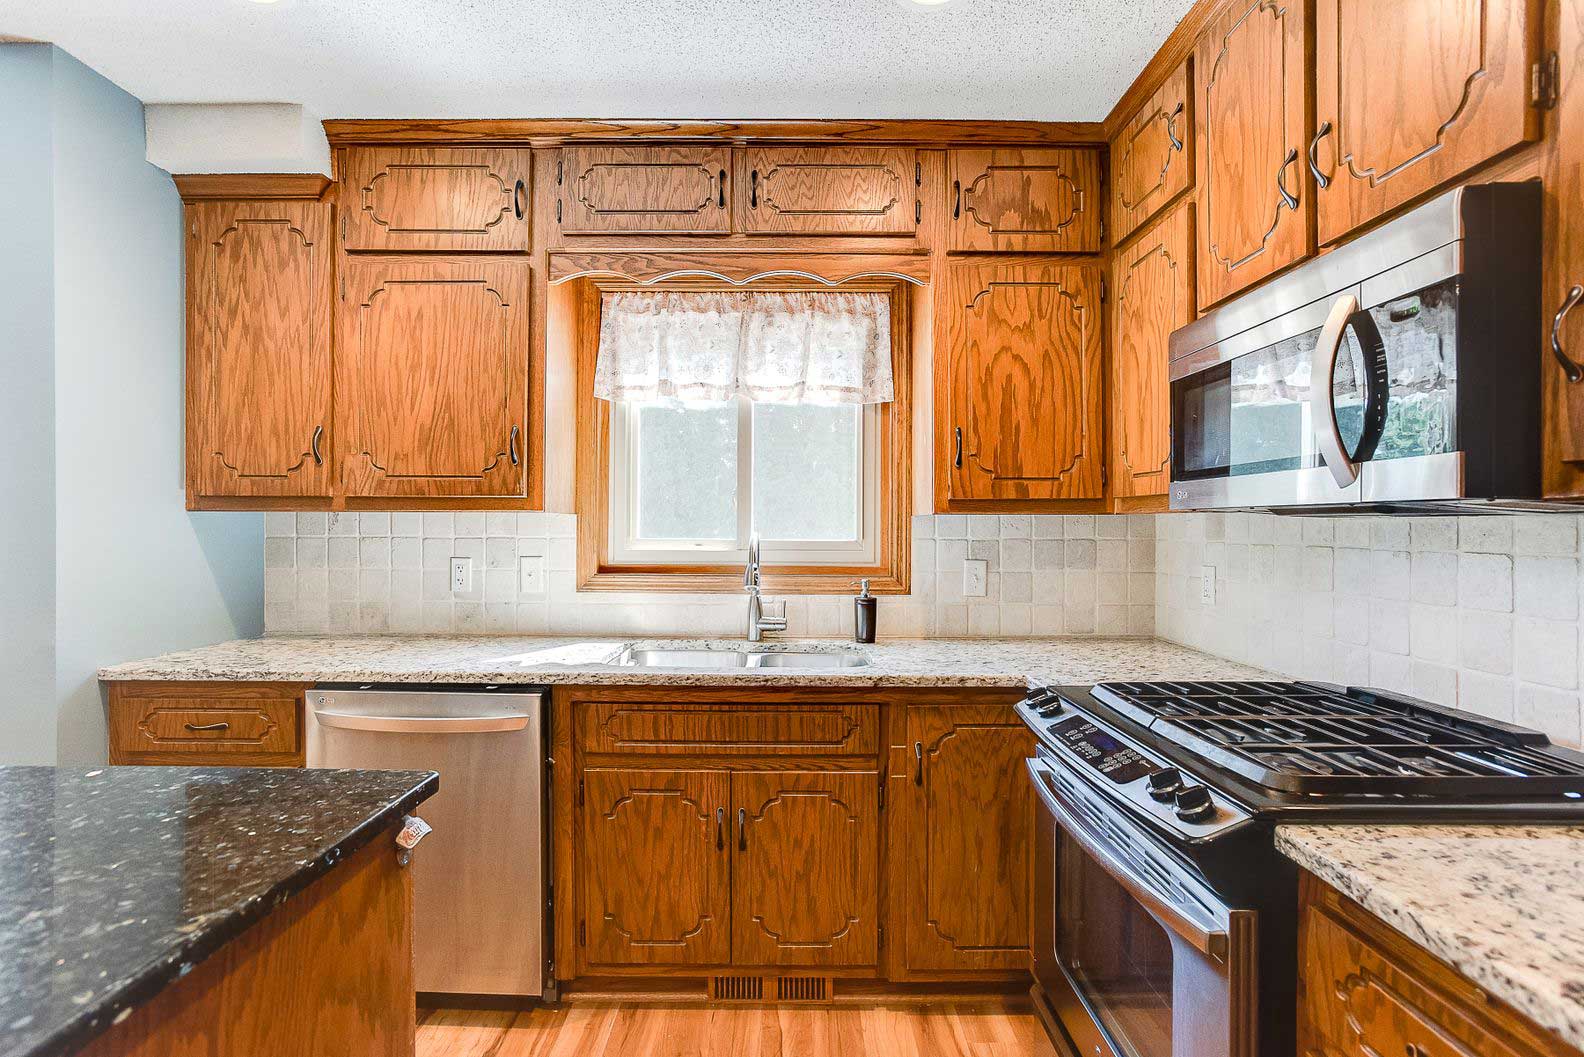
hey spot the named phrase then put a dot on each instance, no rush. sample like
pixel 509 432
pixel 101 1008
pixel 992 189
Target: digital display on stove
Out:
pixel 1101 750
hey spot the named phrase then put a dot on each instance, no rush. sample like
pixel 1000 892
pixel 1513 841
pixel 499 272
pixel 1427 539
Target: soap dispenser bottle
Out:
pixel 864 613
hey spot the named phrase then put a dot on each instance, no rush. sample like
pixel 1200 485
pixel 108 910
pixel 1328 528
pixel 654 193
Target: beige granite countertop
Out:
pixel 515 659
pixel 1504 905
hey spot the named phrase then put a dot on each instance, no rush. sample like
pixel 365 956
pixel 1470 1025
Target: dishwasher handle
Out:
pixel 423 724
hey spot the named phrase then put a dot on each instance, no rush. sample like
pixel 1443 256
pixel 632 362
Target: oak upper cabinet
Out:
pixel 1152 295
pixel 1024 380
pixel 431 376
pixel 804 873
pixel 458 199
pixel 969 839
pixel 830 191
pixel 1562 434
pixel 1410 94
pixel 1254 188
pixel 1152 157
pixel 644 191
pixel 259 297
pixel 1044 200
pixel 656 867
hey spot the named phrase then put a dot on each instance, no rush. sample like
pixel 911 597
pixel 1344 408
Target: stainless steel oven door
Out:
pixel 1136 956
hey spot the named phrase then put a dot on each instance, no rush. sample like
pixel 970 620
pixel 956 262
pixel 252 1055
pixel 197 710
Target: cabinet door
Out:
pixel 1403 111
pixel 1562 436
pixel 804 873
pixel 463 199
pixel 1030 201
pixel 1255 198
pixel 831 191
pixel 644 190
pixel 432 376
pixel 258 348
pixel 1154 295
pixel 1023 356
pixel 970 839
pixel 1152 157
pixel 656 881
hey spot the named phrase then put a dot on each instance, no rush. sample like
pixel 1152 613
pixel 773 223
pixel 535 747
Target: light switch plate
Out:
pixel 1207 576
pixel 531 575
pixel 461 575
pixel 976 574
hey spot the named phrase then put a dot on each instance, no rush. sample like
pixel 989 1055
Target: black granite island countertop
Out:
pixel 116 881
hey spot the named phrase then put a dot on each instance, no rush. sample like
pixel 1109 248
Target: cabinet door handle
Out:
pixel 957 458
pixel 753 189
pixel 1569 366
pixel 1288 198
pixel 720 829
pixel 722 189
pixel 918 763
pixel 1171 127
pixel 221 725
pixel 956 199
pixel 517 199
pixel 1322 181
pixel 314 445
pixel 511 445
pixel 742 829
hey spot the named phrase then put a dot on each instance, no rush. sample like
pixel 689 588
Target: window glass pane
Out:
pixel 687 472
pixel 805 471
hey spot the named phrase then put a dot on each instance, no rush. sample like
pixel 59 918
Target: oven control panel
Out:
pixel 1101 750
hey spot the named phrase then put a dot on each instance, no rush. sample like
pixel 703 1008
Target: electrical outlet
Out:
pixel 461 575
pixel 531 574
pixel 1207 585
pixel 976 574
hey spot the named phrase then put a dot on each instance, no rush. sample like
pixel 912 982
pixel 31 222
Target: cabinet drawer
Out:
pixel 729 729
pixel 199 723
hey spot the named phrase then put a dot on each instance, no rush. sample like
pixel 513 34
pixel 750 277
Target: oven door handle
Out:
pixel 1322 400
pixel 1208 938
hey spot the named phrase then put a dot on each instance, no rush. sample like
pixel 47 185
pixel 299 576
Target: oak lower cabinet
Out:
pixel 432 376
pixel 453 199
pixel 609 190
pixel 969 826
pixel 1400 113
pixel 1152 156
pixel 1044 200
pixel 1251 132
pixel 831 191
pixel 1024 380
pixel 259 304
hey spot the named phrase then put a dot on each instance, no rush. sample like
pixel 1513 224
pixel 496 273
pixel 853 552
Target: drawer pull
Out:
pixel 218 725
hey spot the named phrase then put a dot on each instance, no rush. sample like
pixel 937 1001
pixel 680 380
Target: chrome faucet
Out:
pixel 758 623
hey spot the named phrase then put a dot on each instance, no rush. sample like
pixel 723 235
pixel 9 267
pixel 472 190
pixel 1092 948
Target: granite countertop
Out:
pixel 509 659
pixel 116 881
pixel 1504 905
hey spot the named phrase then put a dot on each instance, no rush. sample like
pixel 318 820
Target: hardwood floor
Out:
pixel 615 1028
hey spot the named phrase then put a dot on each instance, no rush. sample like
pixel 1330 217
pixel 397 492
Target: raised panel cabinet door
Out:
pixel 259 298
pixel 1044 200
pixel 1401 112
pixel 432 376
pixel 1024 359
pixel 1153 295
pixel 805 869
pixel 1562 376
pixel 1152 157
pixel 459 199
pixel 644 191
pixel 1254 186
pixel 656 867
pixel 970 840
pixel 831 191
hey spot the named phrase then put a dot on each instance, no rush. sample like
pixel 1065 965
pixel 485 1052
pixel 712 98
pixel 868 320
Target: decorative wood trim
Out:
pixel 541 132
pixel 740 269
pixel 201 186
pixel 890 575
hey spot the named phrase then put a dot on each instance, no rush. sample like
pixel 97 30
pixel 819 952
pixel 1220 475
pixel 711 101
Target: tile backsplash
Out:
pixel 1048 575
pixel 1481 613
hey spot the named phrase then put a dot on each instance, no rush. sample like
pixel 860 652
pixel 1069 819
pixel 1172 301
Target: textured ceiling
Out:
pixel 1014 59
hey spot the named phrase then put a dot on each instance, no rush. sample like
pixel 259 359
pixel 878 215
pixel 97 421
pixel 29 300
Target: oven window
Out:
pixel 1419 332
pixel 1117 956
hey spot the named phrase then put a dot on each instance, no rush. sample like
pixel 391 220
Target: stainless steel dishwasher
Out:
pixel 480 911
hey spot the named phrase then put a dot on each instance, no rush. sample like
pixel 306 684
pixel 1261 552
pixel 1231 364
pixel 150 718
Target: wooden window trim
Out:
pixel 890 574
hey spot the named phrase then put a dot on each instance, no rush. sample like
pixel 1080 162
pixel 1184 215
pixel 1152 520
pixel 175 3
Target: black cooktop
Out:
pixel 1316 739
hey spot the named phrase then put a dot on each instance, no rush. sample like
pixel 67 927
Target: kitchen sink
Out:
pixel 683 658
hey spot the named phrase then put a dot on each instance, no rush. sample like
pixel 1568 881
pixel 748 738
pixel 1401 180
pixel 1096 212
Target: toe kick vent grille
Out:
pixel 802 989
pixel 737 988
pixel 770 988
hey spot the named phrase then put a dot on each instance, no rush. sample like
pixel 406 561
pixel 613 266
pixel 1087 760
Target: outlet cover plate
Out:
pixel 976 577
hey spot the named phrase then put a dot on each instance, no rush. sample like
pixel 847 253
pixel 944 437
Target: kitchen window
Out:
pixel 724 414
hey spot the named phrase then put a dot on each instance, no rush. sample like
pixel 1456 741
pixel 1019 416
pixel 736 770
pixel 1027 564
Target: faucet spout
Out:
pixel 758 623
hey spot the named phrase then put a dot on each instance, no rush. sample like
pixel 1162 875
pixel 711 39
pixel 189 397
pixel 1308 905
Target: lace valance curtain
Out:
pixel 811 347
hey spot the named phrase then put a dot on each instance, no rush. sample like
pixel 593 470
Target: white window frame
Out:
pixel 627 548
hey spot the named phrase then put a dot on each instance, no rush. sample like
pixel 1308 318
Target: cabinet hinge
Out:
pixel 1104 477
pixel 1102 288
pixel 580 792
pixel 918 212
pixel 1102 229
pixel 560 170
pixel 582 933
pixel 879 935
pixel 1545 79
pixel 918 174
pixel 343 288
pixel 343 227
pixel 558 211
pixel 882 792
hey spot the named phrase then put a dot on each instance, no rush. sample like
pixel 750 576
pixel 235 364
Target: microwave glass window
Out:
pixel 1419 332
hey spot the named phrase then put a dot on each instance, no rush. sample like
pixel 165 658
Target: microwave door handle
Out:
pixel 1322 401
pixel 1208 939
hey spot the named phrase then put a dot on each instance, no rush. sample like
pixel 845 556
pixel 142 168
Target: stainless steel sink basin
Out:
pixel 682 658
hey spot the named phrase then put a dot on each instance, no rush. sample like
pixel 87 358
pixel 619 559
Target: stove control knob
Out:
pixel 1164 783
pixel 1053 707
pixel 1194 804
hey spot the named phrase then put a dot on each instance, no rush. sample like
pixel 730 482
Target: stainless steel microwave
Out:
pixel 1398 371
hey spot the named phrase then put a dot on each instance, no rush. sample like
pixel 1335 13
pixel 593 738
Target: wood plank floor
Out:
pixel 620 1028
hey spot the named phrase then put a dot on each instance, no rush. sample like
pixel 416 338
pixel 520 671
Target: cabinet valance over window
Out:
pixel 803 347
